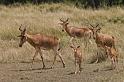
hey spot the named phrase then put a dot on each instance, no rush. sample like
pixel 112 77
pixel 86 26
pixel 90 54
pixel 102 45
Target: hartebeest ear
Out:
pixel 78 46
pixel 97 25
pixel 67 20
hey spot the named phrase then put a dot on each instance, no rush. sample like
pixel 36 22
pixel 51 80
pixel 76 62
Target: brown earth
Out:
pixel 27 72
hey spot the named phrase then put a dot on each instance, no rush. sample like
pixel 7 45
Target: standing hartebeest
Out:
pixel 104 40
pixel 78 57
pixel 113 55
pixel 41 42
pixel 74 32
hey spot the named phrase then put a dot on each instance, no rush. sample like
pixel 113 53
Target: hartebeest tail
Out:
pixel 78 57
pixel 103 40
pixel 74 32
pixel 41 42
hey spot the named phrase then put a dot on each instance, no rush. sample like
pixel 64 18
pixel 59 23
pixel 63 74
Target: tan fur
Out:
pixel 76 32
pixel 41 42
pixel 105 41
pixel 78 57
pixel 113 55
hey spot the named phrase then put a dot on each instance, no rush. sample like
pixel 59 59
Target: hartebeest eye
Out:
pixel 62 30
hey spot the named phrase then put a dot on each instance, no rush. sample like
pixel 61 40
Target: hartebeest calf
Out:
pixel 74 32
pixel 113 55
pixel 41 42
pixel 78 58
pixel 103 40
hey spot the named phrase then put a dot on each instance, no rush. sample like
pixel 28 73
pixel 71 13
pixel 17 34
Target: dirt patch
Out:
pixel 28 72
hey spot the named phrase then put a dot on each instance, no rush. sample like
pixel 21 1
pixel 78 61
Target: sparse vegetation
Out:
pixel 45 18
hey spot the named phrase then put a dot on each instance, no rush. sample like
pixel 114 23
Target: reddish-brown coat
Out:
pixel 41 41
pixel 78 57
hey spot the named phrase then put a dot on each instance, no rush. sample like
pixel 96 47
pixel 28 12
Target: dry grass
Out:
pixel 45 18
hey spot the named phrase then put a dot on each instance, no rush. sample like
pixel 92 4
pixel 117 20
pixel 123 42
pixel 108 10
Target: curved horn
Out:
pixel 20 27
pixel 67 20
pixel 61 20
pixel 25 28
pixel 97 25
pixel 99 28
pixel 91 25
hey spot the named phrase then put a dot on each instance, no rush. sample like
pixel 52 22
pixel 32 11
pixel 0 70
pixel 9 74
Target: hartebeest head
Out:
pixel 22 36
pixel 64 23
pixel 75 48
pixel 95 30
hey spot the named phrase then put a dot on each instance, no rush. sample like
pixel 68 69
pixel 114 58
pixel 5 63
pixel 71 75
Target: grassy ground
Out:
pixel 44 19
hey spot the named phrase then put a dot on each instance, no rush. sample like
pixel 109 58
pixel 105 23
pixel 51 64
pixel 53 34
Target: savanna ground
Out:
pixel 15 63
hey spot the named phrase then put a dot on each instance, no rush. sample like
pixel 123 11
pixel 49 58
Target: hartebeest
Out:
pixel 113 55
pixel 74 31
pixel 41 42
pixel 78 58
pixel 103 40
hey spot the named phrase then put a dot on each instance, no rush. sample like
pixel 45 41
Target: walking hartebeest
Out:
pixel 41 42
pixel 74 32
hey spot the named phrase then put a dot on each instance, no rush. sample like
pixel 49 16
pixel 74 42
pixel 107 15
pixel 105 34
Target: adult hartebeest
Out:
pixel 103 40
pixel 74 31
pixel 41 42
pixel 78 57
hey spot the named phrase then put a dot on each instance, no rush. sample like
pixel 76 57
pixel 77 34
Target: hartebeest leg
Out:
pixel 60 56
pixel 54 61
pixel 71 41
pixel 41 55
pixel 80 68
pixel 57 53
pixel 113 63
pixel 36 53
pixel 85 42
pixel 75 67
pixel 62 60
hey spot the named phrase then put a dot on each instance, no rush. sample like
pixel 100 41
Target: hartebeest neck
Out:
pixel 29 39
pixel 68 29
pixel 96 37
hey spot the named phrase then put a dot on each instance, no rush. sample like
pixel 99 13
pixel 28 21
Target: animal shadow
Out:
pixel 32 69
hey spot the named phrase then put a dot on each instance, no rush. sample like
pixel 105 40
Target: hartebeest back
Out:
pixel 103 40
pixel 74 32
pixel 78 57
pixel 41 42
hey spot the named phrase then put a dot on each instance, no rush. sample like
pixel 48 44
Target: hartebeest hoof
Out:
pixel 64 66
pixel 44 67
